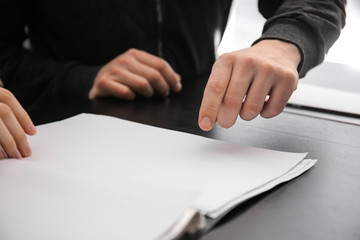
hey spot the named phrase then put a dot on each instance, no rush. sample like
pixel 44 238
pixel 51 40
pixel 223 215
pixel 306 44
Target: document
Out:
pixel 100 177
pixel 331 91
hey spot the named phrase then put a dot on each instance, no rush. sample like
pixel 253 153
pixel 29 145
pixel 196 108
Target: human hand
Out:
pixel 135 72
pixel 240 82
pixel 14 123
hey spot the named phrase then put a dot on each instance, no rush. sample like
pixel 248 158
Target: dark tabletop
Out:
pixel 323 203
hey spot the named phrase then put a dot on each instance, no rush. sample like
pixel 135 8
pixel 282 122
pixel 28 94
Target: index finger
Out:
pixel 21 115
pixel 214 93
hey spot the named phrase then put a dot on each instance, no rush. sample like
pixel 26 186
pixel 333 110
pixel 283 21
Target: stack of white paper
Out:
pixel 99 177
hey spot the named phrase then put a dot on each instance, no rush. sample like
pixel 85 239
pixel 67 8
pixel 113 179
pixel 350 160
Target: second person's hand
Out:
pixel 241 81
pixel 135 72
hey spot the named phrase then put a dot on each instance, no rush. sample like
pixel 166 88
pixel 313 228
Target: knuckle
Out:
pixel 231 102
pixel 122 60
pixel 6 96
pixel 252 108
pixel 289 78
pixel 216 86
pixel 154 76
pixel 114 70
pixel 102 84
pixel 5 111
pixel 102 81
pixel 142 85
pixel 226 59
pixel 128 94
pixel 133 51
pixel 248 61
pixel 161 65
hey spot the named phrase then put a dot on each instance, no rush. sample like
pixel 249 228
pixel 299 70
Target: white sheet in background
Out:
pixel 98 177
pixel 330 86
pixel 326 98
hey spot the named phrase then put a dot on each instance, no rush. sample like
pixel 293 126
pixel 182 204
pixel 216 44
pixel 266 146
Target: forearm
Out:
pixel 312 25
pixel 37 80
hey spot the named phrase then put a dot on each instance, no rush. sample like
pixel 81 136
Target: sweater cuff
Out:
pixel 80 80
pixel 295 33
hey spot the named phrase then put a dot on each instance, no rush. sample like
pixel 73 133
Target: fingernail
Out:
pixel 17 155
pixel 205 123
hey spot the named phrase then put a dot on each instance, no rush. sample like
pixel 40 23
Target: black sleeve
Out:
pixel 312 25
pixel 33 78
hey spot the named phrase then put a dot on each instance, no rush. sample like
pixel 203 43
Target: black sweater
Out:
pixel 72 39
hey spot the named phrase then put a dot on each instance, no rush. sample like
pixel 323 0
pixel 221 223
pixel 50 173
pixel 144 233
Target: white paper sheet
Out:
pixel 333 87
pixel 326 98
pixel 99 177
pixel 38 203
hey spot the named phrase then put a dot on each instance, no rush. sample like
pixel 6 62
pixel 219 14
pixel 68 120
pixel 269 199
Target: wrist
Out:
pixel 282 48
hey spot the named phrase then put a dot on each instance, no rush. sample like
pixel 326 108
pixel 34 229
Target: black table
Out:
pixel 323 203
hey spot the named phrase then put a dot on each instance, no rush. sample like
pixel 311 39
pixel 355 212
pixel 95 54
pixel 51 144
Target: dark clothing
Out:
pixel 72 39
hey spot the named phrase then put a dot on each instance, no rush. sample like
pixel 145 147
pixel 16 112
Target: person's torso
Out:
pixel 94 32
